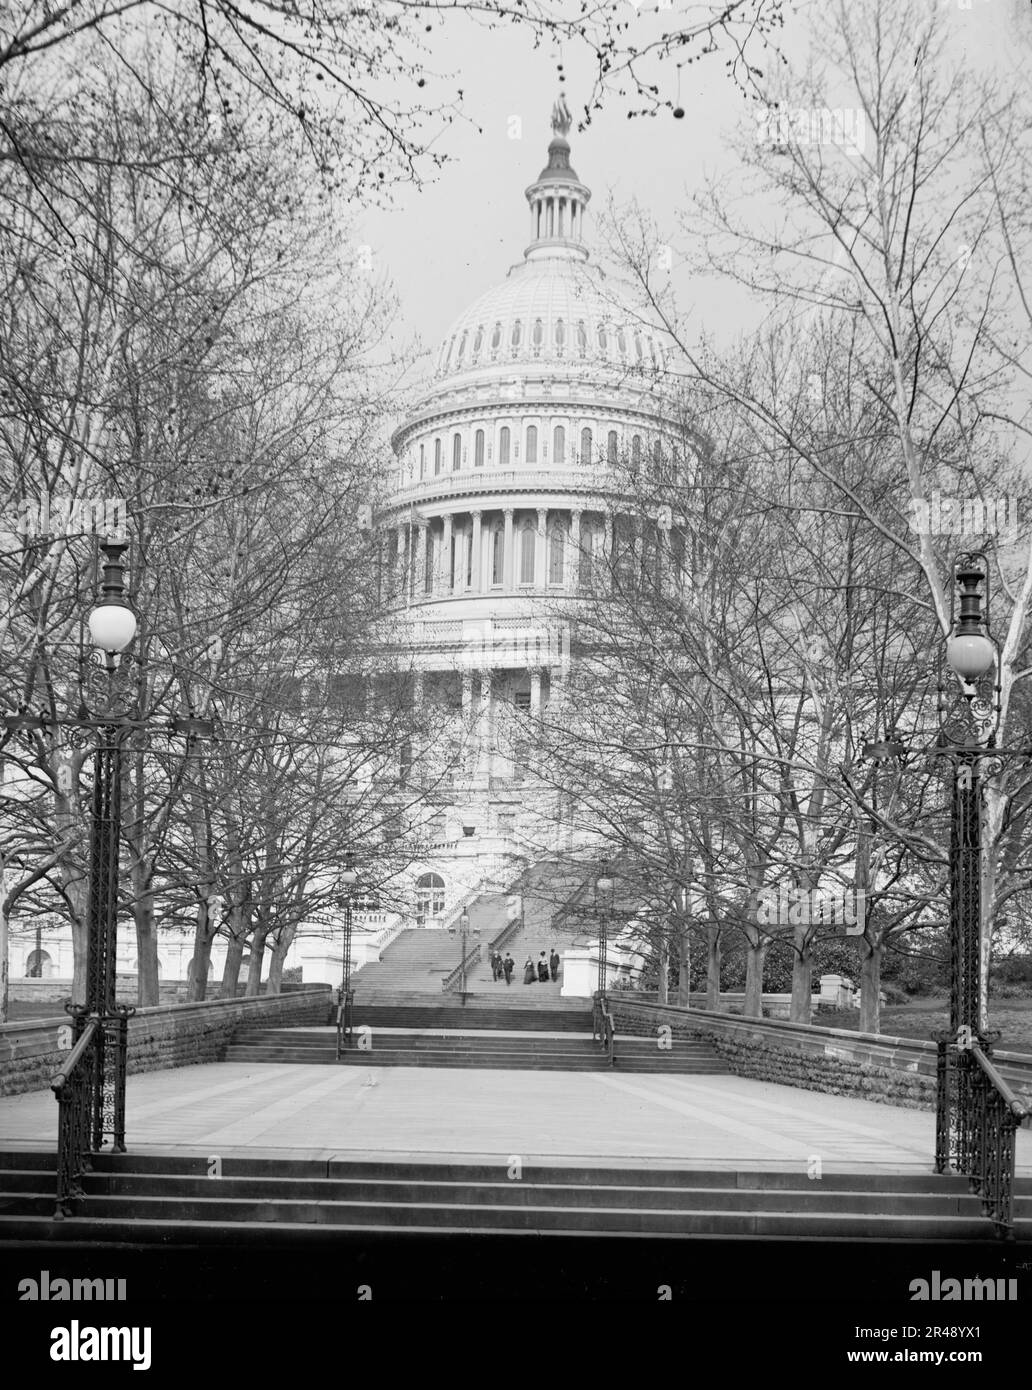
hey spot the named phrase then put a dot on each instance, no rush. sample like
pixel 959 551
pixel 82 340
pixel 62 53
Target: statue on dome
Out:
pixel 561 118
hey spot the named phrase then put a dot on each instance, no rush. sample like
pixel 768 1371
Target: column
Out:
pixel 486 731
pixel 467 720
pixel 573 567
pixel 422 541
pixel 475 568
pixel 535 692
pixel 540 558
pixel 402 570
pixel 508 559
pixel 444 566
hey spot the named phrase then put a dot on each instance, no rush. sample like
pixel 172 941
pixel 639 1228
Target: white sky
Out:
pixel 444 245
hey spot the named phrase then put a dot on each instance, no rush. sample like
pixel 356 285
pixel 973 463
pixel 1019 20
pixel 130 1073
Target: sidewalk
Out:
pixel 695 1121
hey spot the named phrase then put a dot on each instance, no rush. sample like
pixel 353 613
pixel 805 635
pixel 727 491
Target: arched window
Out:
pixel 635 452
pixel 517 333
pixel 498 556
pixel 612 446
pixel 38 965
pixel 539 333
pixel 585 446
pixel 582 338
pixel 430 895
pixel 586 559
pixel 657 455
pixel 637 348
pixel 478 449
pixel 456 451
pixel 621 342
pixel 532 443
pixel 478 342
pixel 528 548
pixel 556 555
pixel 560 334
pixel 503 447
pixel 437 456
pixel 422 460
pixel 496 337
pixel 559 444
pixel 462 347
pixel 602 338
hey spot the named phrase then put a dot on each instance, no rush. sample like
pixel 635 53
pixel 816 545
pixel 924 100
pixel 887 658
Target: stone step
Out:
pixel 817 1197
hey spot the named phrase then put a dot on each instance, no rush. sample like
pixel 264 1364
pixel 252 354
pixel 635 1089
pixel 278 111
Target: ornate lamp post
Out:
pixel 346 1003
pixel 90 1089
pixel 603 903
pixel 976 1111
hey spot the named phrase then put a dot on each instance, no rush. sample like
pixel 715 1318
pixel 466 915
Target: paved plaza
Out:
pixel 317 1111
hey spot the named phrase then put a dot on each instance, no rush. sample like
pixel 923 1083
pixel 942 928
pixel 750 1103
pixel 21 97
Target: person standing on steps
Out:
pixel 542 969
pixel 553 961
pixel 510 966
pixel 528 972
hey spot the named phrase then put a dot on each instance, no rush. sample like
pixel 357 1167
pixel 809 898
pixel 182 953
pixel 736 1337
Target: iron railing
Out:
pixel 977 1116
pixel 345 1020
pixel 75 1087
pixel 602 1029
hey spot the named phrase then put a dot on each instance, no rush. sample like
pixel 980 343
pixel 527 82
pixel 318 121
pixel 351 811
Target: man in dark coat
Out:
pixel 553 961
pixel 510 966
pixel 543 969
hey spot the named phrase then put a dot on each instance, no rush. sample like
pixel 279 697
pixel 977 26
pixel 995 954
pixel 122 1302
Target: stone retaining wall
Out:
pixel 897 1071
pixel 167 1035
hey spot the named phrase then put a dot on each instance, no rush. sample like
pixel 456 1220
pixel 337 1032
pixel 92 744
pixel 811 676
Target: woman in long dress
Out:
pixel 529 972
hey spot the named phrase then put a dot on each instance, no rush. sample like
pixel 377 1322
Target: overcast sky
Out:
pixel 444 245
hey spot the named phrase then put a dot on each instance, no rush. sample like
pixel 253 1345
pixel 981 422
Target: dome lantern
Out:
pixel 557 198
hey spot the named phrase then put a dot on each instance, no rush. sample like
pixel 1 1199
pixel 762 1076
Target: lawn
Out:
pixel 922 1017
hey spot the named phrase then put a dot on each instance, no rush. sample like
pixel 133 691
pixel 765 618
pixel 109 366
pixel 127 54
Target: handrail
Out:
pixel 603 1029
pixel 977 1118
pixel 61 1079
pixel 1014 1103
pixel 472 957
pixel 76 1088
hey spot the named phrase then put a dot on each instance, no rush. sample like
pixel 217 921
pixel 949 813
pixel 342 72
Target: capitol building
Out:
pixel 512 471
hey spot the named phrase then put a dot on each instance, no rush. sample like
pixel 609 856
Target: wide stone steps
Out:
pixel 493 1050
pixel 170 1200
pixel 481 1016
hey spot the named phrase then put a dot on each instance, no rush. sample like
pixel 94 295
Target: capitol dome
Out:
pixel 556 311
pixel 510 491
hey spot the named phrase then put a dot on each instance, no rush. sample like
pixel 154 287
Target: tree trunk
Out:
pixel 4 956
pixel 802 975
pixel 663 982
pixel 231 971
pixel 755 957
pixel 277 958
pixel 147 991
pixel 197 979
pixel 713 955
pixel 684 970
pixel 254 970
pixel 870 985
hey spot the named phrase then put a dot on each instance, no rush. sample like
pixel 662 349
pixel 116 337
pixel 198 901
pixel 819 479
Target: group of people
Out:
pixel 547 967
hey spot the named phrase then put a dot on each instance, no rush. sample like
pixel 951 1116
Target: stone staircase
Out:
pixel 496 1050
pixel 168 1200
pixel 415 962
